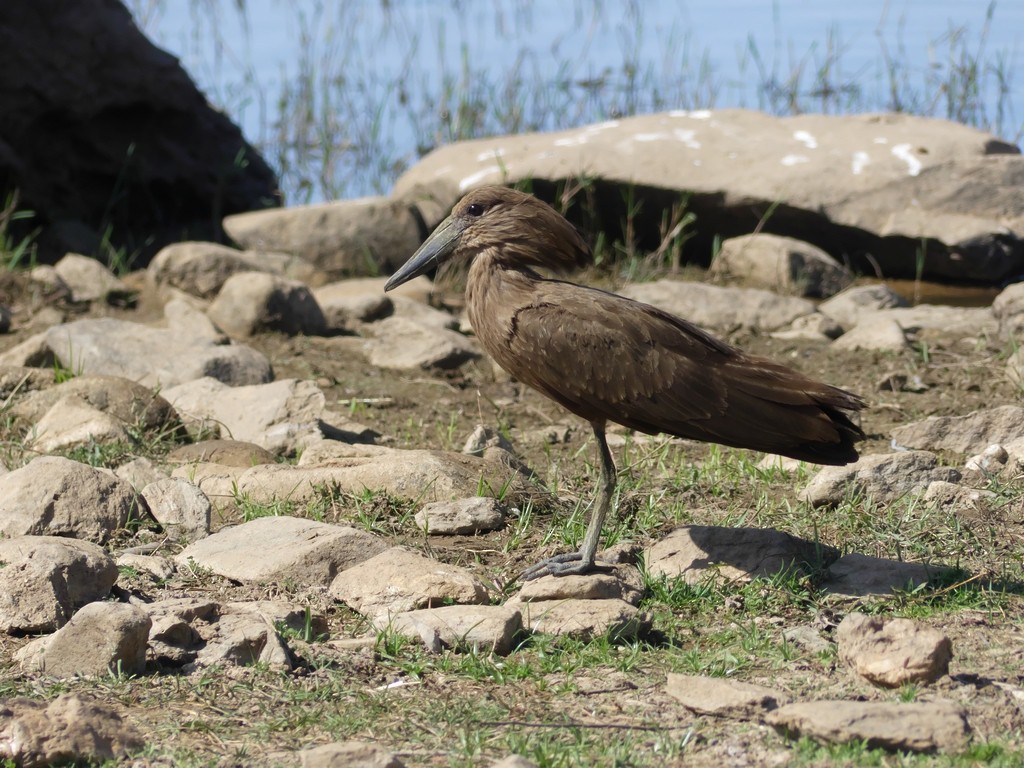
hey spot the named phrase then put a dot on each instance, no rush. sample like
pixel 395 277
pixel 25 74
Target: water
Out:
pixel 342 96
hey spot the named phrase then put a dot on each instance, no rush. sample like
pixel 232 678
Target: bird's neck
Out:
pixel 495 292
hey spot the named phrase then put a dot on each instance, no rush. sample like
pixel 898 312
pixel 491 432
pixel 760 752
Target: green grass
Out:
pixel 993 754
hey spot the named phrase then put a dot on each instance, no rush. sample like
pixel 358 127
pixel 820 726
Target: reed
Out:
pixel 340 126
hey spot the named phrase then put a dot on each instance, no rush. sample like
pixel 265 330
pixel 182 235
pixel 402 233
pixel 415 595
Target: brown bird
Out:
pixel 608 358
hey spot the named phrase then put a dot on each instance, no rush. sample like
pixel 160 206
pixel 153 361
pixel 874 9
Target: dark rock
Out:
pixel 105 134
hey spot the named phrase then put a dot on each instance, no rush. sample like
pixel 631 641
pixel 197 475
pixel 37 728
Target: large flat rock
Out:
pixel 751 155
pixel 152 356
pixel 418 475
pixel 271 549
pixel 850 184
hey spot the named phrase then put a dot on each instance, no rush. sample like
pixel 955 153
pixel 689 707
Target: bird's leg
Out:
pixel 583 561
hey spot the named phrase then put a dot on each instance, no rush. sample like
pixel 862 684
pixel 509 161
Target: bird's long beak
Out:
pixel 434 252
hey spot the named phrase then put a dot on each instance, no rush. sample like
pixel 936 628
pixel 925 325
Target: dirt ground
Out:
pixel 603 703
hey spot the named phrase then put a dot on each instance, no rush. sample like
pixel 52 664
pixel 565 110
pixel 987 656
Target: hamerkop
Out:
pixel 607 358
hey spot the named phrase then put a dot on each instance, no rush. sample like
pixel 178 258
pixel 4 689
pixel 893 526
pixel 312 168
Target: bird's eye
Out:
pixel 475 209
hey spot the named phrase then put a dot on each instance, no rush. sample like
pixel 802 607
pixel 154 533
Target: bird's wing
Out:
pixel 603 356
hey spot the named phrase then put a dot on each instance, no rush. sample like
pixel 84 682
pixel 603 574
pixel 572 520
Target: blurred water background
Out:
pixel 341 96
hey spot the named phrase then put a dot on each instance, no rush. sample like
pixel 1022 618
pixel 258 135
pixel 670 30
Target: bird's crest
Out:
pixel 527 231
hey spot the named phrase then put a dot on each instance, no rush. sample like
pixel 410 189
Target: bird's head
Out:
pixel 517 229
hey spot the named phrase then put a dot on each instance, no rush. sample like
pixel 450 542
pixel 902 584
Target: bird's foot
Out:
pixel 568 564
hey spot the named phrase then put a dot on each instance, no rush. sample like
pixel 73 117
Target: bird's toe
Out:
pixel 568 564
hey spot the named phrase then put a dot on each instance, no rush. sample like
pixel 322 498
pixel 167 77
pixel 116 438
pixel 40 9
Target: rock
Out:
pixel 71 422
pixel 34 352
pixel 160 568
pixel 58 497
pixel 44 578
pixel 694 552
pixel 781 264
pixel 418 311
pixel 721 309
pixel 349 754
pixel 139 472
pixel 218 482
pixel 775 463
pixel 462 516
pixel 44 277
pixel 863 184
pixel 483 438
pixel 191 322
pixel 275 549
pixel 100 640
pixel 554 434
pixel 1015 368
pixel 127 402
pixel 397 580
pixel 951 494
pixel 243 639
pixel 857 575
pixel 405 474
pixel 480 628
pixel 200 269
pixel 347 309
pixel 882 477
pixel 68 729
pixel 968 434
pixel 46 317
pixel 173 638
pixel 280 416
pixel 939 319
pixel 807 637
pixel 814 327
pixel 180 507
pixel 280 613
pixel 204 633
pixel 848 306
pixel 582 619
pixel 893 652
pixel 938 726
pixel 255 302
pixel 1008 310
pixel 901 382
pixel 874 335
pixel 622 584
pixel 411 296
pixel 230 453
pixel 723 698
pixel 964 210
pixel 34 597
pixel 649 150
pixel 153 357
pixel 368 236
pixel 24 382
pixel 173 167
pixel 405 344
pixel 989 462
pixel 88 280
pixel 339 427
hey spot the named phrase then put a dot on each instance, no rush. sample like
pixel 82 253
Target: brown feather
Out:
pixel 606 357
